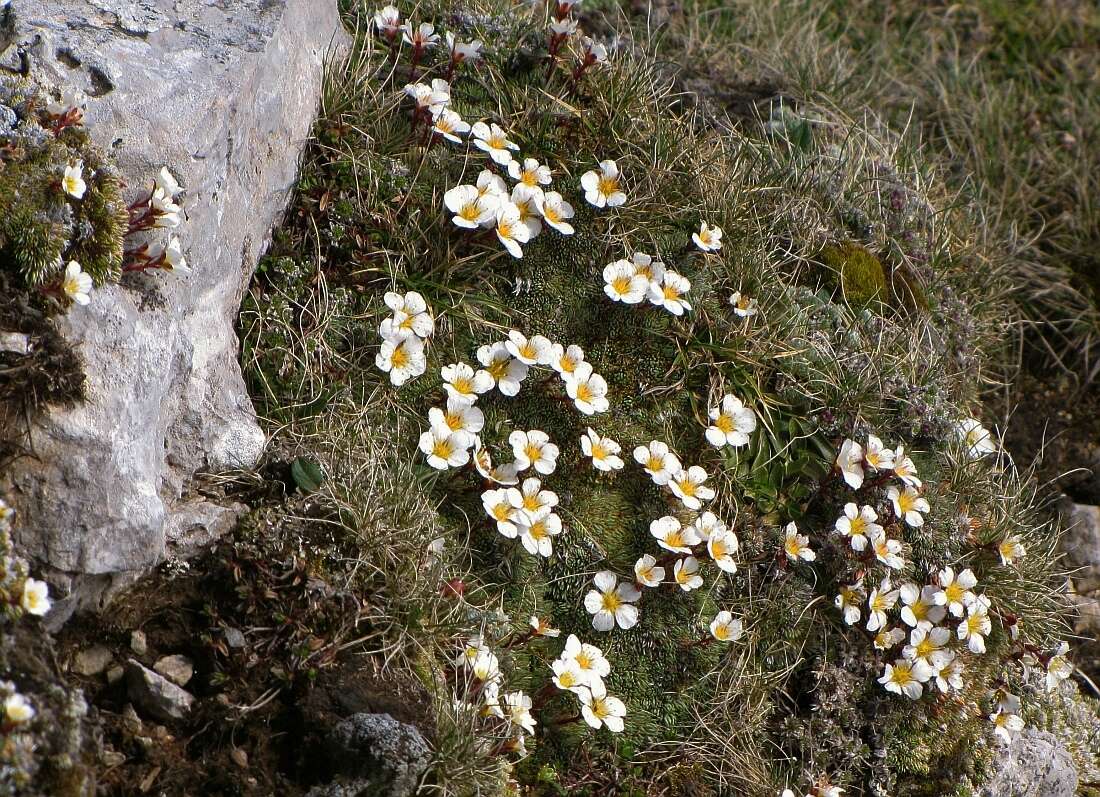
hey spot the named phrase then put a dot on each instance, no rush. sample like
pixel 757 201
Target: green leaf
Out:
pixel 307 475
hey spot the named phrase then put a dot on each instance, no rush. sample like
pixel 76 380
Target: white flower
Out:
pixel 908 505
pixel 423 36
pixel 17 709
pixel 563 27
pixel 850 601
pixel 975 437
pixel 673 536
pixel 485 666
pixel 506 474
pixel 490 138
pixel 463 51
pixel 709 239
pixel 731 423
pixel 517 709
pixel 612 603
pixel 444 448
pixel 850 462
pixel 623 284
pixel 722 546
pixel 172 258
pixel 554 211
pixel 541 627
pixel 725 628
pixel 588 658
pixel 955 591
pixel 1059 667
pixel 459 417
pixel 387 21
pixel 530 173
pixel 72 182
pixel 449 124
pixel 511 229
pixel 1010 549
pixel 881 600
pixel 669 292
pixel 166 211
pixel 410 316
pixel 797 546
pixel 594 52
pixel 603 450
pixel 601 188
pixel 36 597
pixel 600 709
pixel 471 207
pixel 886 550
pixel 947 668
pixel 707 525
pixel 491 184
pixel 743 306
pixel 687 485
pixel 534 449
pixel 432 98
pixel 905 677
pixel 587 389
pixel 76 284
pixel 920 609
pixel 402 359
pixel 976 626
pixel 876 456
pixel 925 642
pixel 1006 722
pixel 536 533
pixel 659 462
pixel 527 200
pixel 886 638
pixel 646 266
pixel 565 360
pixel 858 525
pixel 506 372
pixel 463 384
pixel 686 573
pixel 531 500
pixel 499 507
pixel 904 468
pixel 647 572
pixel 568 676
pixel 166 183
pixel 535 350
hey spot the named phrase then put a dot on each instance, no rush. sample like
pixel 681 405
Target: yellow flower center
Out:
pixel 621 284
pixel 71 286
pixel 583 661
pixel 504 229
pixel 567 679
pixel 644 271
pixel 497 142
pixel 502 512
pixel 532 451
pixel 443 125
pixel 584 392
pixel 529 178
pixel 470 211
pixel 567 365
pixel 442 449
pixel 925 647
pixel 455 421
pixel 607 185
pixel 857 526
pixel 906 502
pixel 528 351
pixel 463 385
pixel 1007 549
pixel 670 292
pixel 954 593
pixel 724 424
pixel 919 609
pixel 793 546
pixel 497 368
pixel 611 601
pixel 675 539
pixel 687 488
pixel 878 603
pixel 598 451
pixel 683 575
pixel 743 303
pixel 400 357
pixel 531 502
pixel 903 674
pixel 600 709
pixel 654 463
pixel 646 573
pixel 722 633
pixel 551 214
pixel 718 549
pixel 538 530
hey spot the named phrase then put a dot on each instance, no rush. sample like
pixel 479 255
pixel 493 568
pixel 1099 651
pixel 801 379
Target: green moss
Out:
pixel 860 274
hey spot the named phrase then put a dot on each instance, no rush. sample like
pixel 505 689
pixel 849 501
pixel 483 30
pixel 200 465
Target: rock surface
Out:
pixel 155 695
pixel 223 94
pixel 1081 544
pixel 177 669
pixel 374 754
pixel 1035 764
pixel 92 661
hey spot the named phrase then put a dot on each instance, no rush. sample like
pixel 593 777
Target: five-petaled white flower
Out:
pixel 612 603
pixel 36 597
pixel 722 546
pixel 687 484
pixel 423 36
pixel 492 184
pixel 797 546
pixel 674 536
pixel 401 359
pixel 904 468
pixel 1059 668
pixel 947 669
pixel 924 642
pixel 505 370
pixel 463 384
pixel 568 676
pixel 707 525
pixel 908 505
pixel 880 601
pixel 387 21
pixel 563 27
pixel 166 211
pixel 686 573
pixel 555 211
pixel 850 462
pixel 646 266
pixel 976 626
pixel 458 417
pixel 603 450
pixel 876 456
pixel 499 507
pixel 743 305
pixel 907 678
pixel 647 572
pixel 535 350
pixel 463 51
pixel 76 284
pixel 709 239
pixel 920 609
pixel 731 423
pixel 534 449
pixel 623 284
pixel 659 462
pixel 849 600
pixel 975 437
pixel 858 525
pixel 471 206
pixel 527 200
pixel 725 627
pixel 669 292
pixel 17 709
pixel 955 592
pixel 1006 721
pixel 587 389
pixel 449 124
pixel 589 659
pixel 602 188
pixel 511 229
pixel 886 550
pixel 491 139
pixel 530 500
pixel 564 359
pixel 536 533
pixel 171 258
pixel 72 181
pixel 444 448
pixel 1010 549
pixel 517 709
pixel 410 316
pixel 600 709
pixel 886 638
pixel 432 98
pixel 530 173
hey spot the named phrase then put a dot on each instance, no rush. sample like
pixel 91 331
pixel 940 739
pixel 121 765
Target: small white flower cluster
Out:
pixel 25 595
pixel 580 669
pixel 479 661
pixel 642 277
pixel 17 708
pixel 404 334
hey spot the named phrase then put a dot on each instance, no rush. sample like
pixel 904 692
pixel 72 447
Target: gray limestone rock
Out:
pixel 374 754
pixel 1035 764
pixel 1081 544
pixel 155 695
pixel 224 94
